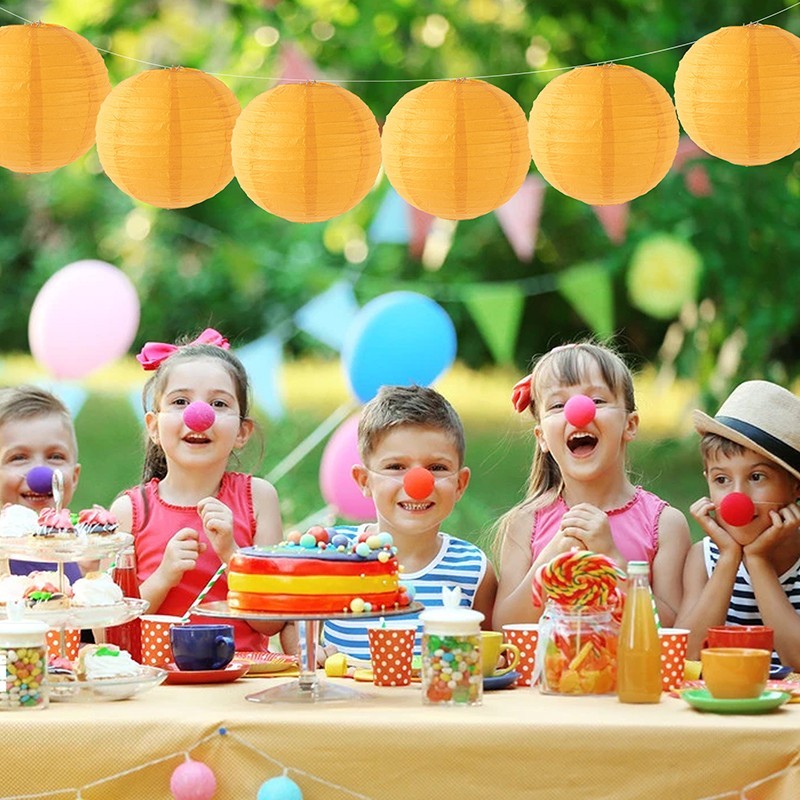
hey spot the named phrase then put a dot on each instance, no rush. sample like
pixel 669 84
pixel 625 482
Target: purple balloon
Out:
pixel 40 480
pixel 199 416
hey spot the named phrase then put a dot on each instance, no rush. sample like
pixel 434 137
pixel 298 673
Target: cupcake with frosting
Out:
pixel 55 524
pixel 17 521
pixel 97 521
pixel 102 662
pixel 13 588
pixel 96 589
pixel 45 597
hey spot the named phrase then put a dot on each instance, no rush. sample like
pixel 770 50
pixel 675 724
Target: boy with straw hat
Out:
pixel 746 570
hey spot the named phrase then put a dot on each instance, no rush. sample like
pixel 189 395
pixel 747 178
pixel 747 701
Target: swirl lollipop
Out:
pixel 199 416
pixel 578 579
pixel 580 410
pixel 418 483
pixel 737 509
pixel 40 480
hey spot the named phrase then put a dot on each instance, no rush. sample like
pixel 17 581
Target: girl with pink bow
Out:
pixel 190 514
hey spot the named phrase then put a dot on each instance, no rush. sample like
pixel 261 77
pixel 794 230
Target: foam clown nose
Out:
pixel 40 480
pixel 199 416
pixel 418 483
pixel 580 410
pixel 737 509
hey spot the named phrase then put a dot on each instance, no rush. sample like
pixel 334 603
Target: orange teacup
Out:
pixel 735 672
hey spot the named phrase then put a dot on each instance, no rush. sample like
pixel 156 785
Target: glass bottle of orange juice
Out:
pixel 639 651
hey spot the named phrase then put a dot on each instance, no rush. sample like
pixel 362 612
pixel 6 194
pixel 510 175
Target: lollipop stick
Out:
pixel 203 592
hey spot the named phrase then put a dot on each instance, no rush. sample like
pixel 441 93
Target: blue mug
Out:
pixel 202 647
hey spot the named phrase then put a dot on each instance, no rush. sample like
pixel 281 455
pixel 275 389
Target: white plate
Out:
pixel 43 548
pixel 107 688
pixel 87 616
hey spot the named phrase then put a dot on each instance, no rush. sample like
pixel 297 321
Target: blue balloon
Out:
pixel 281 788
pixel 400 338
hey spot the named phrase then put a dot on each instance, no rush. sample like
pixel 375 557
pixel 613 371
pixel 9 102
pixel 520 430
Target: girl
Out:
pixel 189 514
pixel 579 494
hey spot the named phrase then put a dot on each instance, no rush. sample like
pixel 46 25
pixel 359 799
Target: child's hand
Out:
pixel 180 555
pixel 785 523
pixel 218 526
pixel 701 510
pixel 589 526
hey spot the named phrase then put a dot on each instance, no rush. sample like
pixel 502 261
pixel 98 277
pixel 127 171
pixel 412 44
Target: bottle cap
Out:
pixel 638 568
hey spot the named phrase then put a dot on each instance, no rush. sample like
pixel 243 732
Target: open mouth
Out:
pixel 196 438
pixel 581 443
pixel 33 497
pixel 415 506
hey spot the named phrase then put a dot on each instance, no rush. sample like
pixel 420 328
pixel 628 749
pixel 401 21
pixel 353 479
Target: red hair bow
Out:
pixel 153 353
pixel 521 396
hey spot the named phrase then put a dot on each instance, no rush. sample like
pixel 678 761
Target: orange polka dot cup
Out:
pixel 156 647
pixel 72 643
pixel 525 636
pixel 673 656
pixel 391 650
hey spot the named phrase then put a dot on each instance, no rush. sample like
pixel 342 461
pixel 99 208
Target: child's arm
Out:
pixel 706 599
pixel 774 605
pixel 674 542
pixel 485 595
pixel 269 528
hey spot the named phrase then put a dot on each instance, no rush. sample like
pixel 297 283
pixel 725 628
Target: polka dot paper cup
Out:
pixel 673 656
pixel 525 636
pixel 156 647
pixel 391 650
pixel 72 643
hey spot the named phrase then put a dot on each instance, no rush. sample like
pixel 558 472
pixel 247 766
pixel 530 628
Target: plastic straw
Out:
pixel 203 592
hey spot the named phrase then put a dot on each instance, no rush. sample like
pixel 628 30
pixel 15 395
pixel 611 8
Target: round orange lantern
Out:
pixel 603 134
pixel 737 92
pixel 52 82
pixel 307 151
pixel 456 149
pixel 164 136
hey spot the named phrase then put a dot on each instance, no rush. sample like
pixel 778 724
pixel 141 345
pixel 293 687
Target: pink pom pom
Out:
pixel 193 780
pixel 737 509
pixel 580 410
pixel 418 483
pixel 199 416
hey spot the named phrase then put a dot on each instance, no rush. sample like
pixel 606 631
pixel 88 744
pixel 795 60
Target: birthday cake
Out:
pixel 312 573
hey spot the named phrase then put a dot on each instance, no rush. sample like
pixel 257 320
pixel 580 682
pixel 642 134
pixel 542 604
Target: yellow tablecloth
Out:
pixel 519 744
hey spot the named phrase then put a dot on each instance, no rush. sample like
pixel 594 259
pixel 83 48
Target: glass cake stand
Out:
pixel 308 688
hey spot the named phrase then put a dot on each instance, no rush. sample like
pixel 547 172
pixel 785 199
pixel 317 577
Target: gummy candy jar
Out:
pixel 23 665
pixel 577 650
pixel 451 656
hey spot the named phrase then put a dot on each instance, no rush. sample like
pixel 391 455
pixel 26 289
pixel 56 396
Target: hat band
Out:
pixel 779 449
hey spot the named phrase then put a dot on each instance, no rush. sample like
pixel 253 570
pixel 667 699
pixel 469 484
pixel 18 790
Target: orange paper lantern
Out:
pixel 164 136
pixel 306 152
pixel 604 134
pixel 456 149
pixel 52 82
pixel 737 92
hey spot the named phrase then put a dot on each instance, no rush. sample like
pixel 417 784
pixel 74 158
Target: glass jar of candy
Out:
pixel 23 665
pixel 451 657
pixel 577 651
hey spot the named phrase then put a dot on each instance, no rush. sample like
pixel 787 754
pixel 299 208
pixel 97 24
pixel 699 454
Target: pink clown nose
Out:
pixel 580 410
pixel 737 509
pixel 40 480
pixel 199 416
pixel 418 483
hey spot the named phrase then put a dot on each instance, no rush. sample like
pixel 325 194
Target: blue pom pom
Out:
pixel 281 788
pixel 40 480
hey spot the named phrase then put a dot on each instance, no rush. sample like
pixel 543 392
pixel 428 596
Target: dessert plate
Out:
pixel 500 681
pixel 86 616
pixel 702 700
pixel 108 688
pixel 43 548
pixel 261 663
pixel 230 673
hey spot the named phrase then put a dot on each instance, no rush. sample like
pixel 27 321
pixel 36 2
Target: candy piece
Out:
pixel 199 416
pixel 580 410
pixel 40 480
pixel 737 509
pixel 336 665
pixel 578 579
pixel 418 483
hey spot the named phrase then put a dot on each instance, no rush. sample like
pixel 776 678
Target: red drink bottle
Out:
pixel 127 636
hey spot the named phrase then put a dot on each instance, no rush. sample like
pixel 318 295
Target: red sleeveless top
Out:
pixel 154 524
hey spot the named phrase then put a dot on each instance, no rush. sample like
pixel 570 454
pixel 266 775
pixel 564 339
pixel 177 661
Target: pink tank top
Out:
pixel 155 527
pixel 634 526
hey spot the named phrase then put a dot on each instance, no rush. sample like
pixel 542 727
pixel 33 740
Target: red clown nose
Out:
pixel 580 410
pixel 199 416
pixel 737 509
pixel 418 483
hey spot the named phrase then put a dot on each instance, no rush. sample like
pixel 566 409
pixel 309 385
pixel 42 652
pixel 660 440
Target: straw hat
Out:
pixel 761 416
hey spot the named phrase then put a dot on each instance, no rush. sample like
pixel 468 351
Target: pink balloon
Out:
pixel 335 477
pixel 84 317
pixel 193 780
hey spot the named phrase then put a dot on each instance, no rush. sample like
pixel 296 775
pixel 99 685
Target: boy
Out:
pixel 35 430
pixel 400 428
pixel 748 574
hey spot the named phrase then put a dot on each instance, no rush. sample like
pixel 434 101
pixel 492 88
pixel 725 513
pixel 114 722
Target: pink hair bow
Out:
pixel 153 353
pixel 521 396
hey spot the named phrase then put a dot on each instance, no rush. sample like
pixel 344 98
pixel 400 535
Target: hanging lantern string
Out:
pixel 422 80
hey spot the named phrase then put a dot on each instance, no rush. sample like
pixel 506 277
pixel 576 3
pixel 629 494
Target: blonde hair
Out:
pixel 31 402
pixel 565 365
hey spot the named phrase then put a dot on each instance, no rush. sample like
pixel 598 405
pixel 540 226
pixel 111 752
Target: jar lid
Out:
pixel 22 632
pixel 451 621
pixel 638 568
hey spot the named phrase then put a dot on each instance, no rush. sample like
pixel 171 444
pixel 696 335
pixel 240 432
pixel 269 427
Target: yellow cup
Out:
pixel 735 672
pixel 492 646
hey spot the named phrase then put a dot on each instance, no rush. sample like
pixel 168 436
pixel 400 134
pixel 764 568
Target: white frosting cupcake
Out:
pixel 13 587
pixel 96 662
pixel 96 589
pixel 17 521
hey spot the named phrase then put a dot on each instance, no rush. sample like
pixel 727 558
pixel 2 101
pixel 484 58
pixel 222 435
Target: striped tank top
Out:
pixel 743 608
pixel 458 563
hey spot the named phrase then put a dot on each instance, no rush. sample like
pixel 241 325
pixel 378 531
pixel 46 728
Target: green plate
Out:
pixel 704 701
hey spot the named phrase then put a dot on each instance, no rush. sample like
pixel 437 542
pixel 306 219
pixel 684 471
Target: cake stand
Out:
pixel 308 688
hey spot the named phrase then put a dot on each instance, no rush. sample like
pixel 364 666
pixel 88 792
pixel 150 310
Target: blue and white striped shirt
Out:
pixel 458 563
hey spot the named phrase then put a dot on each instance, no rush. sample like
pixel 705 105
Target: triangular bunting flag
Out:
pixel 420 224
pixel 328 316
pixel 687 151
pixel 296 66
pixel 135 401
pixel 497 311
pixel 587 288
pixel 519 217
pixel 262 359
pixel 614 219
pixel 70 394
pixel 391 223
